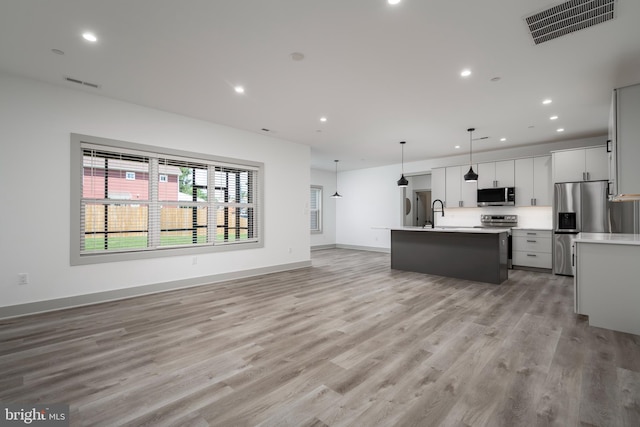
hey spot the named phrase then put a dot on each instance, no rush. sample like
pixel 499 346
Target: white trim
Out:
pixel 118 294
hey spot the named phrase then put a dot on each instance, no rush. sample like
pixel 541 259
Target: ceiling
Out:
pixel 380 74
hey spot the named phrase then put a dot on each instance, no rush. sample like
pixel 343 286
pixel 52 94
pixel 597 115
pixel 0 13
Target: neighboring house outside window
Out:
pixel 145 202
pixel 315 209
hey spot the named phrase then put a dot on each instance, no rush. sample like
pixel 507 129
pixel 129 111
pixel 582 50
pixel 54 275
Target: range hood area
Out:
pixel 623 144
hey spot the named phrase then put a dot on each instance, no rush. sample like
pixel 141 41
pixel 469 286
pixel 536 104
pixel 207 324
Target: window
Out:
pixel 315 209
pixel 134 201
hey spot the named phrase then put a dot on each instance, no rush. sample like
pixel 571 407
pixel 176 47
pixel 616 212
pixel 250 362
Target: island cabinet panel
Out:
pixel 479 257
pixel 607 288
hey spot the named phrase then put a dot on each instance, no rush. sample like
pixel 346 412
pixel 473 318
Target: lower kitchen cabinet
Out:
pixel 606 281
pixel 532 248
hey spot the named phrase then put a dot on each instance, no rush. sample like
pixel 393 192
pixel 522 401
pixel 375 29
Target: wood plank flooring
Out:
pixel 347 342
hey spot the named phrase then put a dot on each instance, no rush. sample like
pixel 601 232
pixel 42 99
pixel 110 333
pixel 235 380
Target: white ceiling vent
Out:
pixel 567 17
pixel 80 82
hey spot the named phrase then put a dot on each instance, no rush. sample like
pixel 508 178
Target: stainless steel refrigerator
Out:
pixel 584 207
pixel 577 207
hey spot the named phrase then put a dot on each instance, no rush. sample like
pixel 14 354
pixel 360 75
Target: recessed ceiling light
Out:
pixel 503 139
pixel 553 118
pixel 393 1
pixel 90 37
pixel 547 101
pixel 323 119
pixel 560 130
pixel 239 89
pixel 465 73
pixel 456 147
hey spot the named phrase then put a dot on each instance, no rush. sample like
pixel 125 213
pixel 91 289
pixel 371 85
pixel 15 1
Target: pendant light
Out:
pixel 470 176
pixel 336 195
pixel 403 182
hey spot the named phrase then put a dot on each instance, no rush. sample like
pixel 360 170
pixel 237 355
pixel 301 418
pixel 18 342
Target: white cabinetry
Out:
pixel 533 181
pixel 438 184
pixel 606 285
pixel 459 193
pixel 624 136
pixel 581 164
pixel 532 248
pixel 496 174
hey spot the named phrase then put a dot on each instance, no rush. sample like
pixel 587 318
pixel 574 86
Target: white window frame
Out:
pixel 130 176
pixel 163 177
pixel 78 257
pixel 319 191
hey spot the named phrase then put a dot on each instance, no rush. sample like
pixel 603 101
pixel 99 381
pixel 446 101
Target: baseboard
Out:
pixel 321 247
pixel 364 248
pixel 117 294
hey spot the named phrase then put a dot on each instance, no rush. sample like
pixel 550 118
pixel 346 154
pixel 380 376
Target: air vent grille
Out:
pixel 81 82
pixel 568 17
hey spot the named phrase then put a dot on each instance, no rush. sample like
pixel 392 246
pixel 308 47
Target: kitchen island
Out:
pixel 607 284
pixel 478 254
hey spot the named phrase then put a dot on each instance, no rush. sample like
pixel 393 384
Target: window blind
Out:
pixel 141 201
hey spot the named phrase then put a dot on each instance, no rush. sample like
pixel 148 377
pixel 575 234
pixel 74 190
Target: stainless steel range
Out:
pixel 501 221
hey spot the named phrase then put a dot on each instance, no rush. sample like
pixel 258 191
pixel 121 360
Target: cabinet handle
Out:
pixel 533 255
pixel 531 241
pixel 532 234
pixel 460 203
pixel 609 192
pixel 584 176
pixel 495 184
pixel 608 145
pixel 588 177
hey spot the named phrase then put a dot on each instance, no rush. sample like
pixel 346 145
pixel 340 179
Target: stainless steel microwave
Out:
pixel 499 196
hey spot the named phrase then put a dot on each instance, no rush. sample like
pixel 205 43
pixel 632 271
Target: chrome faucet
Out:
pixel 433 211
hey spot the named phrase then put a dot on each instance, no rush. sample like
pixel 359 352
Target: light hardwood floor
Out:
pixel 347 342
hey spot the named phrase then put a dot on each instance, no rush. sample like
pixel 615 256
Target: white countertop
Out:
pixel 532 228
pixel 609 238
pixel 492 230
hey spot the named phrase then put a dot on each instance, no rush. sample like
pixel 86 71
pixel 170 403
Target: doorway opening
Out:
pixel 422 211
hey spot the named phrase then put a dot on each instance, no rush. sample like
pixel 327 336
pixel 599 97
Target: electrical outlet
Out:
pixel 23 279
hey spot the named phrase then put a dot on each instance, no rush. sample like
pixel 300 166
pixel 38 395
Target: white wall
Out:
pixel 373 201
pixel 36 120
pixel 327 180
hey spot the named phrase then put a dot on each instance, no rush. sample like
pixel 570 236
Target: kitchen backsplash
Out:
pixel 528 217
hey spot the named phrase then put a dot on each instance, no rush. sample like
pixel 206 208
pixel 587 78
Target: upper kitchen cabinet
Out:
pixel 624 144
pixel 581 164
pixel 459 193
pixel 438 184
pixel 533 181
pixel 496 174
